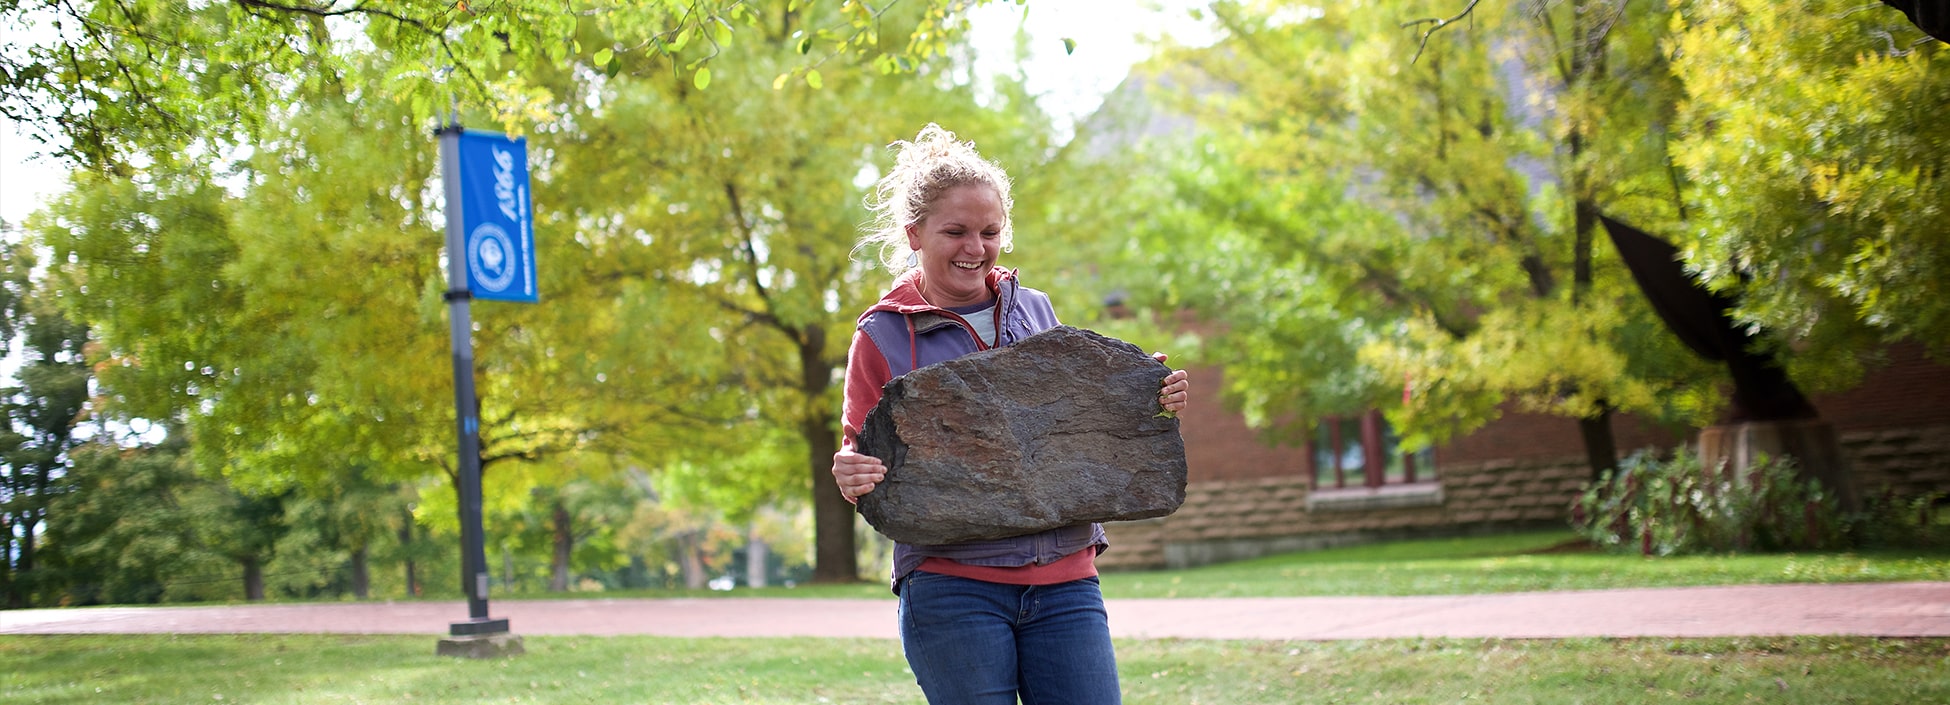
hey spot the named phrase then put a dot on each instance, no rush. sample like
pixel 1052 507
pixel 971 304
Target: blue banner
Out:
pixel 498 228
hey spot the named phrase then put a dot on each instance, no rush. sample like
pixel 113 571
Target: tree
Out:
pixel 1816 167
pixel 42 414
pixel 333 535
pixel 698 285
pixel 233 315
pixel 124 529
pixel 728 216
pixel 1361 224
pixel 106 80
pixel 1931 16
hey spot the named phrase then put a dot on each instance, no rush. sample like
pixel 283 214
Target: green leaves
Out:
pixel 1811 168
pixel 149 79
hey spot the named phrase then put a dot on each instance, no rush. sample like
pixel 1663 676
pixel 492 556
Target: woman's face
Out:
pixel 958 243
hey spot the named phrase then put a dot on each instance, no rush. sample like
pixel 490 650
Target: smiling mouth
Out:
pixel 968 265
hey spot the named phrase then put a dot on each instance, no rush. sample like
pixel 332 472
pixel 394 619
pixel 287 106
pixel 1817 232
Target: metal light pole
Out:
pixel 473 551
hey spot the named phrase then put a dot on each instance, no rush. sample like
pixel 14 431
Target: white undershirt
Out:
pixel 983 321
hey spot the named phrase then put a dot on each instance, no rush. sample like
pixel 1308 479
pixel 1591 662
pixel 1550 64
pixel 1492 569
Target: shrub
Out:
pixel 1675 506
pixel 1889 520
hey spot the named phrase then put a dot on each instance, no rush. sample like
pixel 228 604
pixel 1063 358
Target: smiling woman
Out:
pixel 961 623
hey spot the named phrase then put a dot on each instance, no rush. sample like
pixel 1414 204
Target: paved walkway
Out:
pixel 1868 609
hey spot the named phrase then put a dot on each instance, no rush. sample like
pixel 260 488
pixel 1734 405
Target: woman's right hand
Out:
pixel 856 474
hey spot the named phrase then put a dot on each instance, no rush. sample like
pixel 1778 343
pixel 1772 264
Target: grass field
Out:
pixel 366 669
pixel 343 669
pixel 1511 563
pixel 1546 560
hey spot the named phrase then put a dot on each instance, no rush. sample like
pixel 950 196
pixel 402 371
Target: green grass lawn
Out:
pixel 362 669
pixel 1545 560
pixel 391 669
pixel 1541 560
pixel 1511 563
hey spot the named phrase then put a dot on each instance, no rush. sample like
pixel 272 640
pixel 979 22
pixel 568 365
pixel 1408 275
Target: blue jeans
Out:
pixel 973 642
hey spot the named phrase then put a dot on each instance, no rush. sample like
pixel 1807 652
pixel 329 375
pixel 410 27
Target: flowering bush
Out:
pixel 1666 507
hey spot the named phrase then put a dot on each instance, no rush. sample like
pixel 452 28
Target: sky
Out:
pixel 1110 36
pixel 25 182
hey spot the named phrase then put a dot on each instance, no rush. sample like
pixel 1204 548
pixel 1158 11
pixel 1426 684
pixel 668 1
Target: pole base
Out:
pixel 478 627
pixel 483 646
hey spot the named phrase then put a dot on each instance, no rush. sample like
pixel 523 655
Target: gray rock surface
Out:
pixel 1061 428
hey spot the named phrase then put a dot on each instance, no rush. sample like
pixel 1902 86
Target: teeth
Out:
pixel 968 265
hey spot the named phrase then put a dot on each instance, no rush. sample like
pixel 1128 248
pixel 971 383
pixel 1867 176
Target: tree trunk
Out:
pixel 756 557
pixel 836 558
pixel 24 562
pixel 361 579
pixel 15 599
pixel 689 551
pixel 1812 443
pixel 1584 230
pixel 406 547
pixel 27 545
pixel 253 580
pixel 1600 448
pixel 565 543
pixel 836 555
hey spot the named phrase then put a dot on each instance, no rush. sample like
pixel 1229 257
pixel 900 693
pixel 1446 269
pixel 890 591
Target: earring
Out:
pixel 1011 247
pixel 913 258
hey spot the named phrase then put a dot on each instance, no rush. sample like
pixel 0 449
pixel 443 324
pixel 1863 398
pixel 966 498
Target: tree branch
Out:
pixel 746 237
pixel 359 9
pixel 752 316
pixel 1543 15
pixel 363 9
pixel 1603 33
pixel 749 245
pixel 1437 24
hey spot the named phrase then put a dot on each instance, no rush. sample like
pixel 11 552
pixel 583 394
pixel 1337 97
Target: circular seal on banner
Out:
pixel 491 256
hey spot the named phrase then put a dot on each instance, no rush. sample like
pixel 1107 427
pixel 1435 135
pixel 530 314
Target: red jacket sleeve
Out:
pixel 866 373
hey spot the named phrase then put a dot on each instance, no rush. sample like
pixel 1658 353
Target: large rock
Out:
pixel 1061 428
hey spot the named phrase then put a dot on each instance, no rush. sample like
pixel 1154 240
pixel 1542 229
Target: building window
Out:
pixel 1364 451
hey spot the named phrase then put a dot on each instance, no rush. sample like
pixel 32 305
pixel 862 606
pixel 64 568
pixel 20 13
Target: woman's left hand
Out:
pixel 1176 388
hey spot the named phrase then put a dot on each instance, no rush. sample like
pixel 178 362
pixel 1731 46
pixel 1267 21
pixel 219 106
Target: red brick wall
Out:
pixel 1220 447
pixel 1520 435
pixel 1910 391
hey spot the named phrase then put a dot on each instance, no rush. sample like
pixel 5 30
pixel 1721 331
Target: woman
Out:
pixel 986 621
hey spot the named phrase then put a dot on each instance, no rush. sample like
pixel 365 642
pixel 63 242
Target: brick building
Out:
pixel 1247 498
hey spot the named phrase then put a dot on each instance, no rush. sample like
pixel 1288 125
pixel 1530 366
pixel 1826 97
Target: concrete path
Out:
pixel 1866 609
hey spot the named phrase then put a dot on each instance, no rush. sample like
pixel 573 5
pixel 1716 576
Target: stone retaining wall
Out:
pixel 1240 519
pixel 1906 461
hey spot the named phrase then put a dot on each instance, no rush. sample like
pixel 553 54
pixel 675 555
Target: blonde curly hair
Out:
pixel 923 170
